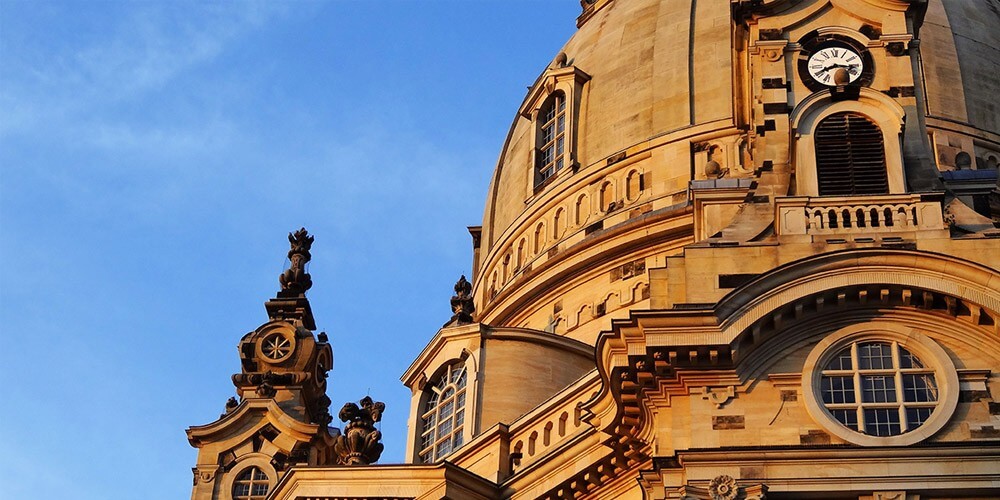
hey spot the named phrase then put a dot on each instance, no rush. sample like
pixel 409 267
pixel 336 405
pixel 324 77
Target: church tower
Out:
pixel 280 415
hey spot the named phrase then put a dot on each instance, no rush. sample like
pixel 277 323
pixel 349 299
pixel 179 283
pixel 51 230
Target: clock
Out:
pixel 835 65
pixel 829 59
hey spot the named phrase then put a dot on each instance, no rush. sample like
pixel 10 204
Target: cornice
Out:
pixel 539 337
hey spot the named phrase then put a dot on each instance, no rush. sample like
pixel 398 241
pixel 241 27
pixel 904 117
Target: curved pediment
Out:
pixel 247 419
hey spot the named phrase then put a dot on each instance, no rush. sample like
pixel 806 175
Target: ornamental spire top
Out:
pixel 295 280
pixel 462 304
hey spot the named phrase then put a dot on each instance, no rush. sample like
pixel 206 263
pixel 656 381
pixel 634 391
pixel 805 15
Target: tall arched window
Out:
pixel 443 417
pixel 551 143
pixel 251 484
pixel 850 156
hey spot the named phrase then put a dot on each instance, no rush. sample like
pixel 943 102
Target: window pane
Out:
pixel 875 356
pixel 547 134
pixel 842 361
pixel 444 429
pixel 907 360
pixel 444 448
pixel 446 409
pixel 882 422
pixel 838 390
pixel 878 389
pixel 460 401
pixel 550 113
pixel 919 388
pixel 915 417
pixel 847 417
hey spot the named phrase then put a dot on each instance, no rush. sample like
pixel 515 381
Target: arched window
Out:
pixel 850 156
pixel 551 138
pixel 443 418
pixel 251 484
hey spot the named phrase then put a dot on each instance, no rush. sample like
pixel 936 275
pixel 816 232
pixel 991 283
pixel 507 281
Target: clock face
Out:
pixel 824 64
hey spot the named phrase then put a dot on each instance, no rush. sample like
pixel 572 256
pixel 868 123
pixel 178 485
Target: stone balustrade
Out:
pixel 827 215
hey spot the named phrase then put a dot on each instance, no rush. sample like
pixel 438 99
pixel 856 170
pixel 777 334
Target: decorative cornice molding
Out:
pixel 654 355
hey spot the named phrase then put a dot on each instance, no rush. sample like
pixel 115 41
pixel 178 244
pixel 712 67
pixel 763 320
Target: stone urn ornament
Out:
pixel 359 443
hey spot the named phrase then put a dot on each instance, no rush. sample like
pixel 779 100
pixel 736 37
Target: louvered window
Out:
pixel 850 156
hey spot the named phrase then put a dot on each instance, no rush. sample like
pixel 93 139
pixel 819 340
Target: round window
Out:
pixel 276 346
pixel 878 387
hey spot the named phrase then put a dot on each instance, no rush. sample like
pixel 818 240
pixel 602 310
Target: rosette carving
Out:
pixel 723 488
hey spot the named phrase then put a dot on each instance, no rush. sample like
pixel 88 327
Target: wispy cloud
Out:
pixel 142 50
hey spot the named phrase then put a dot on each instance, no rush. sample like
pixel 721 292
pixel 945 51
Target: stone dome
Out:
pixel 642 90
pixel 662 96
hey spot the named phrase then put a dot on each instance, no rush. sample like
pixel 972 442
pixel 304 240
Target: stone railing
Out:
pixel 858 214
pixel 537 433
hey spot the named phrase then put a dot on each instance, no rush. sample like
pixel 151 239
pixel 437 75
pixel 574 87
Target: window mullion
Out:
pixel 857 387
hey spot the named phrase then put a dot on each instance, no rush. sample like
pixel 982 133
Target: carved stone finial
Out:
pixel 231 405
pixel 359 443
pixel 295 280
pixel 461 303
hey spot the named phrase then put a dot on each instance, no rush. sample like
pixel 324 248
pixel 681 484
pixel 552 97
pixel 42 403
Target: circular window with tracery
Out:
pixel 878 388
pixel 276 346
pixel 889 386
pixel 250 484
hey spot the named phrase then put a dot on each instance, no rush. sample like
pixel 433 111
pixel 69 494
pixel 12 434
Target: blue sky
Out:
pixel 153 157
